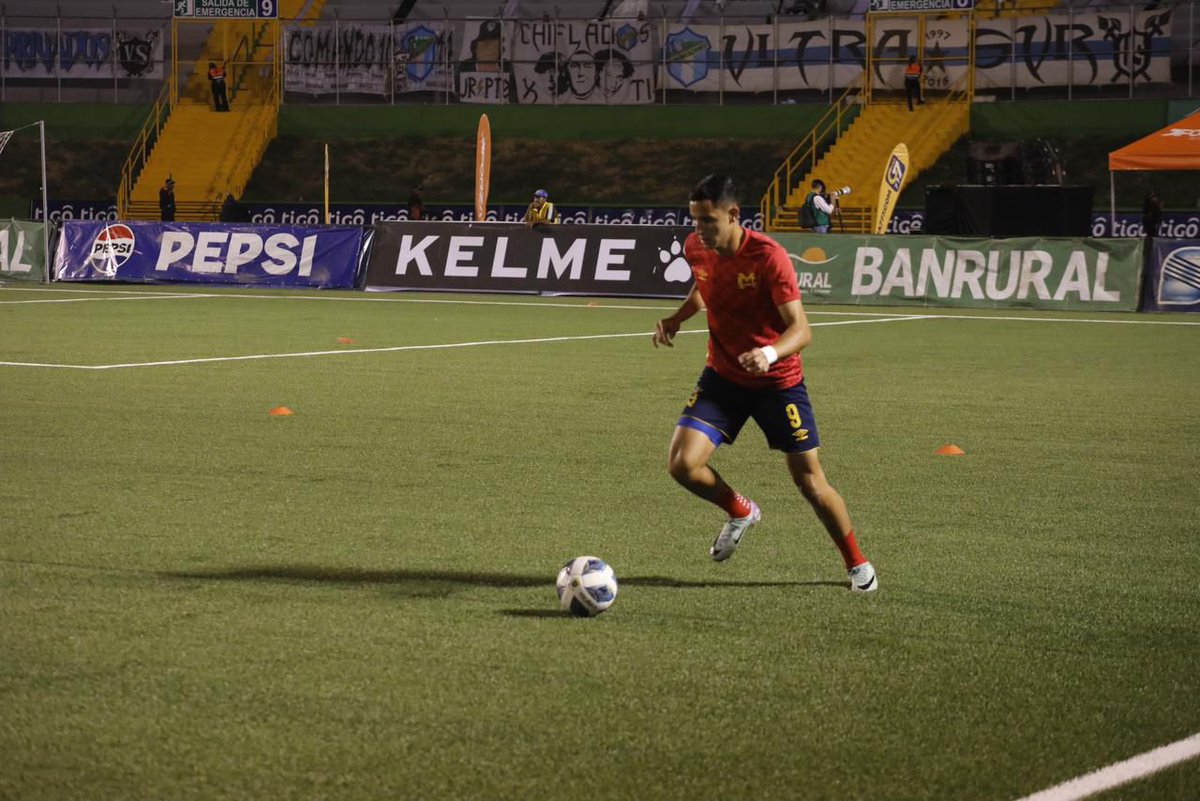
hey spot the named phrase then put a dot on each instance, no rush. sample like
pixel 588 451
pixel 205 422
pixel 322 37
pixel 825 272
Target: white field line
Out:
pixel 395 349
pixel 924 313
pixel 1120 773
pixel 155 296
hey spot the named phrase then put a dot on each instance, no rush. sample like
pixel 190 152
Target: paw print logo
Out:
pixel 678 270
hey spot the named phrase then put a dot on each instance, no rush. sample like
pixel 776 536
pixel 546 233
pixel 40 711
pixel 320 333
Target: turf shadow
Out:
pixel 341 575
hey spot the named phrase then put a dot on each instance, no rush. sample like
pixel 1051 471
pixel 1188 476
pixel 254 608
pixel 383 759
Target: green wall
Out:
pixel 988 120
pixel 550 122
pixel 1133 118
pixel 78 120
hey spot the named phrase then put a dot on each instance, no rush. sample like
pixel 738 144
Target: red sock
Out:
pixel 849 548
pixel 734 504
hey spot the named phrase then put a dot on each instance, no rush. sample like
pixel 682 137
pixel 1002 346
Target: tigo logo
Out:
pixel 112 247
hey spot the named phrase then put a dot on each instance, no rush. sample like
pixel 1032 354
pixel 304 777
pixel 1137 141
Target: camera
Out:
pixel 835 194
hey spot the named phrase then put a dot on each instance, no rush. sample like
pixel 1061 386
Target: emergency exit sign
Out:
pixel 919 6
pixel 227 9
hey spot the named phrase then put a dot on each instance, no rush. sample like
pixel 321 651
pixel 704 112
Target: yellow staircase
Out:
pixel 859 156
pixel 211 154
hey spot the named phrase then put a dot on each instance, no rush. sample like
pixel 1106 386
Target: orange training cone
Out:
pixel 951 450
pixel 281 411
pixel 345 341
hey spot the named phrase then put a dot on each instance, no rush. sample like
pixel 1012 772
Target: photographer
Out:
pixel 823 206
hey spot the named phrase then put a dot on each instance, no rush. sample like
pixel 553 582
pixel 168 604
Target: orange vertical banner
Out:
pixel 483 167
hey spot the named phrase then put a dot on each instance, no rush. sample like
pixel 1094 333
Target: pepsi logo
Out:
pixel 112 247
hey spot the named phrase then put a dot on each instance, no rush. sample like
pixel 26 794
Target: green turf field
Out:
pixel 202 601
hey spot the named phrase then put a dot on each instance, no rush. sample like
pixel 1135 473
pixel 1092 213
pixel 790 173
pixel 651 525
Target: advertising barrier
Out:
pixel 1173 277
pixel 643 261
pixel 22 251
pixel 1030 272
pixel 281 256
pixel 371 213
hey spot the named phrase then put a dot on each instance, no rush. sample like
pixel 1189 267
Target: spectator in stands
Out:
pixel 541 210
pixel 912 82
pixel 166 201
pixel 231 210
pixel 416 202
pixel 216 80
pixel 1152 212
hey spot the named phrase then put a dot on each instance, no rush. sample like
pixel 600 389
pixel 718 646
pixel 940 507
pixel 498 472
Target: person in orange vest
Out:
pixel 912 82
pixel 216 79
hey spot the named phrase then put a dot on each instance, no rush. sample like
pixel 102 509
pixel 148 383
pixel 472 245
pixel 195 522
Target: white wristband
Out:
pixel 771 354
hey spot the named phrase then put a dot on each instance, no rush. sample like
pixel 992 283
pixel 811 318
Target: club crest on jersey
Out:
pixel 747 281
pixel 702 275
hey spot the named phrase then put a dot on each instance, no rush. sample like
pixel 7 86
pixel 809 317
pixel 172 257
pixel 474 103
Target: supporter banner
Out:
pixel 326 58
pixel 209 253
pixel 83 53
pixel 580 61
pixel 1173 277
pixel 420 60
pixel 1094 49
pixel 22 251
pixel 484 67
pixel 1084 49
pixel 1028 272
pixel 762 58
pixel 550 259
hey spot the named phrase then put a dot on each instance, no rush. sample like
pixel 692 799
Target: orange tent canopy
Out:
pixel 1176 147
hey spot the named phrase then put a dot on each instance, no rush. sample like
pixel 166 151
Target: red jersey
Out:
pixel 742 294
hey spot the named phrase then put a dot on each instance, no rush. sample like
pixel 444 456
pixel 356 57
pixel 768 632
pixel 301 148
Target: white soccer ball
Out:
pixel 586 586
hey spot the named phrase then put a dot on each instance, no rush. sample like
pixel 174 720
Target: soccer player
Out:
pixel 756 330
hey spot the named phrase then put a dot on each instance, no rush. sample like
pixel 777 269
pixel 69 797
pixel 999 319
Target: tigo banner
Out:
pixel 1030 272
pixel 22 251
pixel 210 253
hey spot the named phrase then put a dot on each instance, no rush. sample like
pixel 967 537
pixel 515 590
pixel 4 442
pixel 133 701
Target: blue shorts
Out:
pixel 719 408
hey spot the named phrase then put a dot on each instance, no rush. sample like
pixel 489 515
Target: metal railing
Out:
pixel 143 144
pixel 786 58
pixel 804 156
pixel 185 210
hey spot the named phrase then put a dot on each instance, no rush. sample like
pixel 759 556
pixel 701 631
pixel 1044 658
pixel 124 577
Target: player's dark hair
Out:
pixel 720 189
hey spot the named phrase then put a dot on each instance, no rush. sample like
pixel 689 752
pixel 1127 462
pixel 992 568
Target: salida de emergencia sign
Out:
pixel 918 6
pixel 228 9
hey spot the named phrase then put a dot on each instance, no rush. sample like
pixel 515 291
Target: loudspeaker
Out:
pixel 1003 211
pixel 995 163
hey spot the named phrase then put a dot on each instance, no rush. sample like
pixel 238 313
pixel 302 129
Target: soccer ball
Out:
pixel 586 586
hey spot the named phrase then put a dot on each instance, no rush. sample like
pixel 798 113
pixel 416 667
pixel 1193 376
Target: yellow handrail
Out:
pixel 139 154
pixel 807 152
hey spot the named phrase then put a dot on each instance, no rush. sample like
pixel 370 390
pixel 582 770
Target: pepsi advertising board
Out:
pixel 211 253
pixel 1173 277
